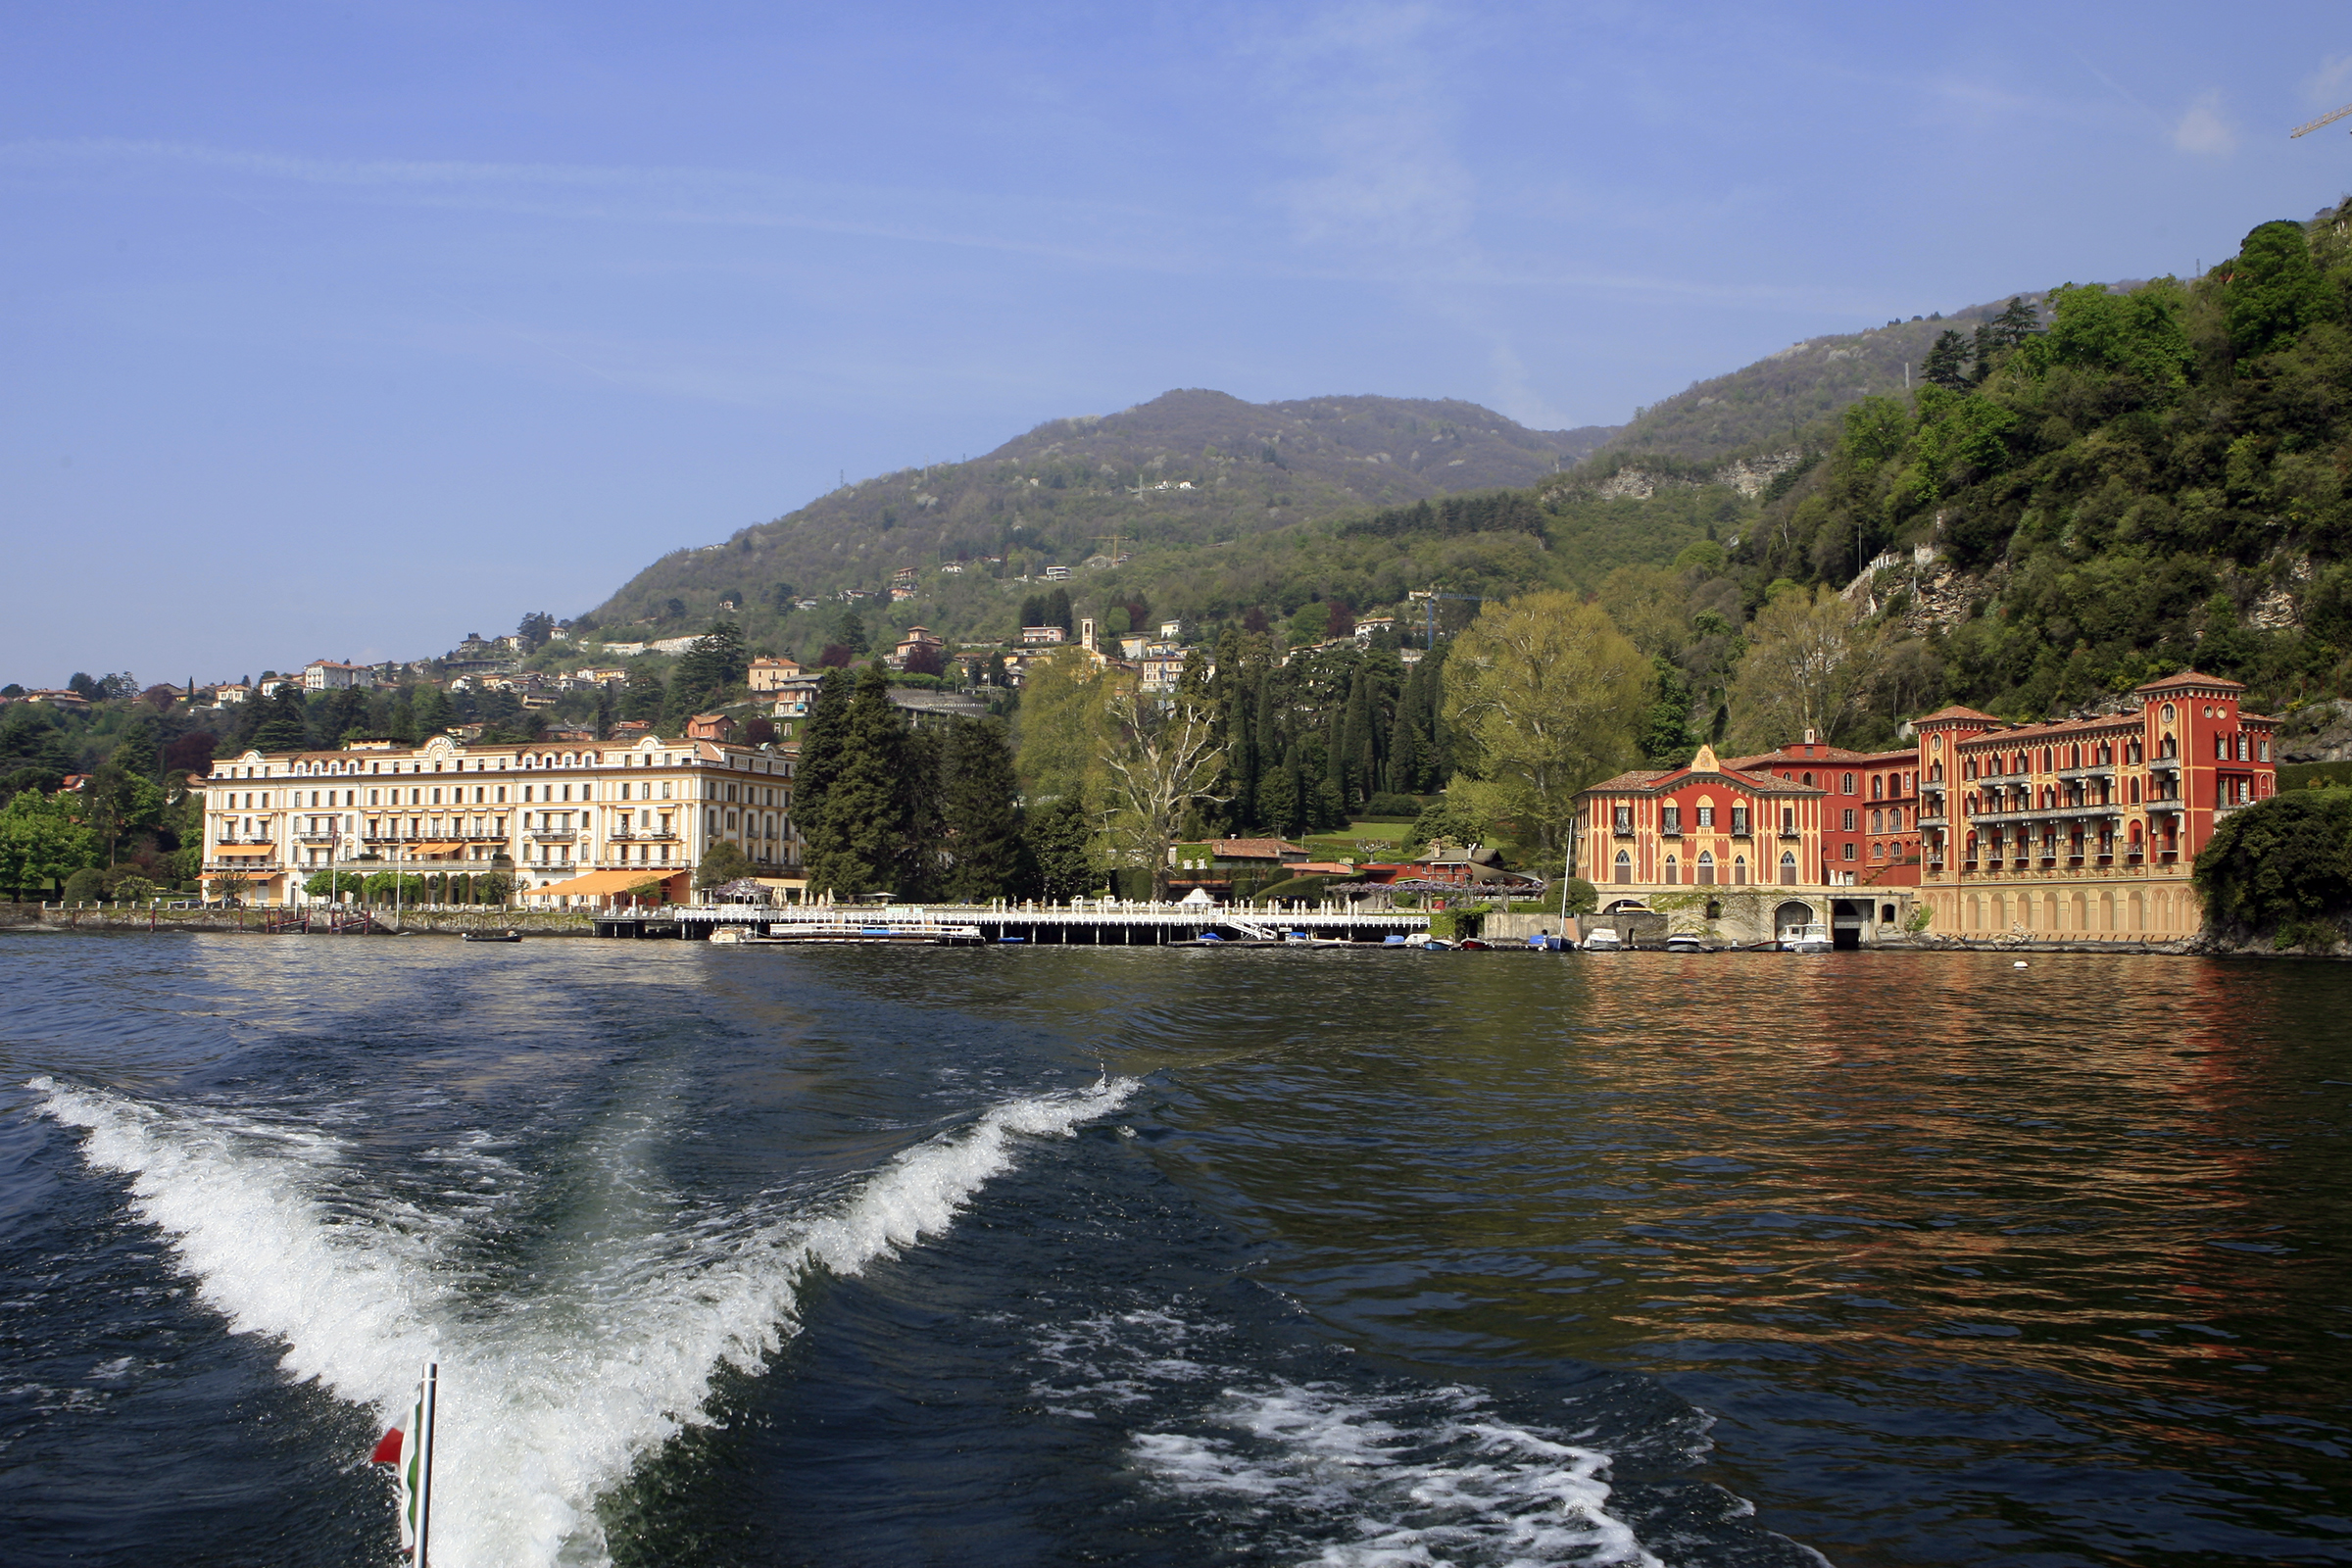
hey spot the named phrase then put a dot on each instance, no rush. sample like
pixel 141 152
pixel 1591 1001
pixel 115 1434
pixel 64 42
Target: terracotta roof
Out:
pixel 2045 729
pixel 1943 714
pixel 1254 849
pixel 1784 757
pixel 2190 678
pixel 1654 780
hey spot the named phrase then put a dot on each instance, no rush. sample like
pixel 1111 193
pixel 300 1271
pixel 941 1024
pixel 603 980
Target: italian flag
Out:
pixel 409 1451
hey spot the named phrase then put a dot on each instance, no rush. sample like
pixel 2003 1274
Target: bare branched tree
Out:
pixel 1162 762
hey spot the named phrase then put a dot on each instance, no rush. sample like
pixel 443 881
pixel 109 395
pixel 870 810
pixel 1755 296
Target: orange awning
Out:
pixel 438 848
pixel 234 851
pixel 596 883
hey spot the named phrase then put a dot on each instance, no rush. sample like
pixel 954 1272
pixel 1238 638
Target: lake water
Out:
pixel 1064 1255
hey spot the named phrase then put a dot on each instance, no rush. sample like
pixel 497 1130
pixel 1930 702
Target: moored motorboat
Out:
pixel 493 936
pixel 1813 938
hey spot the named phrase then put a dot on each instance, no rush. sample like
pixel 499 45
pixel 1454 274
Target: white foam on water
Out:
pixel 548 1403
pixel 1422 1479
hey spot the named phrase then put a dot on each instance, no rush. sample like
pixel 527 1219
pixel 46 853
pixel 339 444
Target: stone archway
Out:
pixel 1793 914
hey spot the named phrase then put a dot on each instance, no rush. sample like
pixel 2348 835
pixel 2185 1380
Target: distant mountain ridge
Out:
pixel 1786 399
pixel 1187 468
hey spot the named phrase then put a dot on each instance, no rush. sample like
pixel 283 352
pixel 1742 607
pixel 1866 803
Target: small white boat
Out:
pixel 1603 940
pixel 1814 938
pixel 1685 941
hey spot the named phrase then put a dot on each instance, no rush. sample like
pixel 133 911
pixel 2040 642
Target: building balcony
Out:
pixel 552 835
pixel 1937 820
pixel 326 835
pixel 2164 764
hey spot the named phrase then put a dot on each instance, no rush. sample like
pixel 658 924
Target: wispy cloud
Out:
pixel 2203 129
pixel 2328 86
pixel 1089 234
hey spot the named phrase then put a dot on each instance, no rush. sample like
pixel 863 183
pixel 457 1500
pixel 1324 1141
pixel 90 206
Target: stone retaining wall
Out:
pixel 255 922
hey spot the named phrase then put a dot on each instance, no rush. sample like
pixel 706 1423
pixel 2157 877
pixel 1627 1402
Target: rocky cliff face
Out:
pixel 2319 733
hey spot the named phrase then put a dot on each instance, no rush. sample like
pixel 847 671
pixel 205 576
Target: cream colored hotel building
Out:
pixel 573 824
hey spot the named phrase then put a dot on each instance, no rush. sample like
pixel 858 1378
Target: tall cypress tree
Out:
pixel 1267 735
pixel 819 760
pixel 863 809
pixel 1240 758
pixel 1361 755
pixel 920 861
pixel 1278 795
pixel 981 813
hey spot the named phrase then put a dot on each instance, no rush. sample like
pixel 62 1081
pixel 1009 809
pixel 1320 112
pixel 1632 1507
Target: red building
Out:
pixel 1870 810
pixel 1707 824
pixel 2085 827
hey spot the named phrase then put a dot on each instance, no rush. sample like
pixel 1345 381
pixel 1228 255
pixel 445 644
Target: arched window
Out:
pixel 1706 868
pixel 1624 866
pixel 1894 819
pixel 1878 821
pixel 1673 871
pixel 1808 779
pixel 2136 791
pixel 1740 871
pixel 1788 869
pixel 1878 786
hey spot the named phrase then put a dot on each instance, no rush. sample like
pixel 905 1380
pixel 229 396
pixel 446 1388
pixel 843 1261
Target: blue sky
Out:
pixel 344 329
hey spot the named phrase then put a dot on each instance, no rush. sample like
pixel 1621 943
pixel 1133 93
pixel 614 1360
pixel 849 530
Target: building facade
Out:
pixel 771 674
pixel 2087 828
pixel 545 815
pixel 1732 854
pixel 1868 810
pixel 1704 825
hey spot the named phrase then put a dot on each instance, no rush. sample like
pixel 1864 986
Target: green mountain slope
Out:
pixel 1788 399
pixel 2156 478
pixel 1187 468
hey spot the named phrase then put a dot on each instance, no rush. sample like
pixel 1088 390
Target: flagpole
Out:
pixel 425 1502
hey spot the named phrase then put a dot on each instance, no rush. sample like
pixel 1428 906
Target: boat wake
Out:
pixel 1352 1473
pixel 551 1396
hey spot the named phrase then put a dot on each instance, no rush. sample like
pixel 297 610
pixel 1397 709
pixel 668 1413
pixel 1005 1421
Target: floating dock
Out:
pixel 1107 924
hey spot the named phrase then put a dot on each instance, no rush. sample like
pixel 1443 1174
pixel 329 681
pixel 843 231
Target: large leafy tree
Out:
pixel 717 660
pixel 1063 726
pixel 2275 290
pixel 1162 762
pixel 1810 659
pixel 1546 697
pixel 2281 868
pixel 285 723
pixel 41 842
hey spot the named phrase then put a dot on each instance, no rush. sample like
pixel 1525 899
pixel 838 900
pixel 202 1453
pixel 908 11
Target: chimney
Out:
pixel 1811 736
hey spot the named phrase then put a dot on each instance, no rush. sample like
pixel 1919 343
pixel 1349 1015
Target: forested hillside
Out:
pixel 2133 481
pixel 1186 471
pixel 1787 399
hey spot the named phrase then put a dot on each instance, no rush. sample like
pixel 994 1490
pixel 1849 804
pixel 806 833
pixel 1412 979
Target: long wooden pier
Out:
pixel 1092 923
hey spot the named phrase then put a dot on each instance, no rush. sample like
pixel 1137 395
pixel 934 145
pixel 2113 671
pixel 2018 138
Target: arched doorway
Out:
pixel 1788 869
pixel 1706 868
pixel 1624 866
